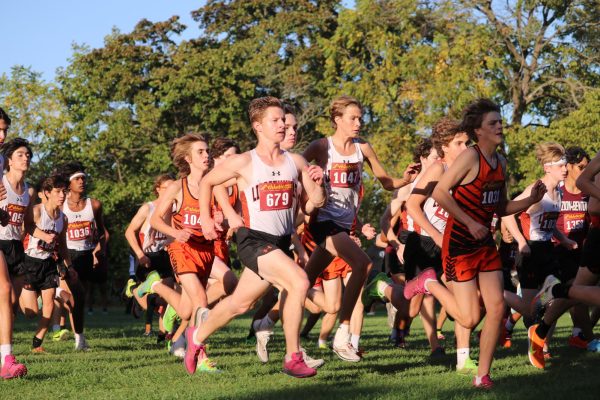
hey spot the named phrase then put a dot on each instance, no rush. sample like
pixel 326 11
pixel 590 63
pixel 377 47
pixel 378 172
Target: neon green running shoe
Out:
pixel 146 286
pixel 62 334
pixel 169 318
pixel 372 291
pixel 323 346
pixel 129 288
pixel 470 368
pixel 208 366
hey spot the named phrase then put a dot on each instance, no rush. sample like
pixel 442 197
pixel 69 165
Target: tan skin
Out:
pixel 463 303
pixel 275 268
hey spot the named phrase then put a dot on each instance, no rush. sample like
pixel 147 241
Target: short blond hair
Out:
pixel 180 149
pixel 549 152
pixel 258 107
pixel 339 105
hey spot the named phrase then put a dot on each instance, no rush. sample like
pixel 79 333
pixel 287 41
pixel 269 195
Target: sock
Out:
pixel 36 342
pixel 427 283
pixel 542 329
pixel 462 355
pixel 322 342
pixel 561 290
pixel 354 339
pixel 266 323
pixel 341 336
pixel 151 287
pixel 78 338
pixel 5 350
pixel 196 342
pixel 478 380
pixel 55 328
pixel 381 286
pixel 395 333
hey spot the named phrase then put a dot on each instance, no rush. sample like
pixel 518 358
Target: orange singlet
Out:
pixel 221 244
pixel 463 256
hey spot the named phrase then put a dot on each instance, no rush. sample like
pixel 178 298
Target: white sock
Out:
pixel 5 350
pixel 354 341
pixel 462 355
pixel 382 285
pixel 55 328
pixel 196 342
pixel 154 285
pixel 478 380
pixel 78 337
pixel 427 282
pixel 322 342
pixel 341 336
pixel 576 331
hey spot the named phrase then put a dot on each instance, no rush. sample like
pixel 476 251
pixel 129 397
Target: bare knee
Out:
pixel 5 289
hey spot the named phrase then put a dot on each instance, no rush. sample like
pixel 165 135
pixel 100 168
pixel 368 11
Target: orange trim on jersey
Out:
pixel 525 219
pixel 245 211
pixel 188 216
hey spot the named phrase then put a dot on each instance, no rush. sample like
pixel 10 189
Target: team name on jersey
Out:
pixel 274 195
pixel 569 205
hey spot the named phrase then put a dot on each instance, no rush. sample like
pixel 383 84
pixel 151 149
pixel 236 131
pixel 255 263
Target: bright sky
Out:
pixel 39 33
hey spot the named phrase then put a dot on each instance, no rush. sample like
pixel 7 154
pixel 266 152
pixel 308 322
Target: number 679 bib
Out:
pixel 276 195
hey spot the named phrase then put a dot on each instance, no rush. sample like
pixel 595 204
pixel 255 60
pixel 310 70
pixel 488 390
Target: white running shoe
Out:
pixel 346 352
pixel 262 339
pixel 311 362
pixel 178 347
pixel 82 345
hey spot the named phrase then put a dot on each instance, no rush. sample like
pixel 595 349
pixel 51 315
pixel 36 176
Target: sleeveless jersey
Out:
pixel 152 240
pixel 479 199
pixel 81 228
pixel 188 216
pixel 435 213
pixel 269 202
pixel 342 183
pixel 232 192
pixel 16 206
pixel 37 248
pixel 540 224
pixel 573 219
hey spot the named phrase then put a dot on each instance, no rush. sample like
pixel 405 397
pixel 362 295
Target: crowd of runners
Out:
pixel 454 245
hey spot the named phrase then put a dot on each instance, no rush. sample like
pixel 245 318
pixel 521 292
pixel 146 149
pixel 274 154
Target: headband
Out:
pixel 76 175
pixel 562 161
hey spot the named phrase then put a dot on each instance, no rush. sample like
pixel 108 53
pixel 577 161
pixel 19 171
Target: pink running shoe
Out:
pixel 486 382
pixel 417 285
pixel 192 351
pixel 297 368
pixel 12 369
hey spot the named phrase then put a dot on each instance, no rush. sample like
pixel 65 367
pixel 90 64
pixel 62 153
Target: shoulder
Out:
pixel 298 159
pixel 96 204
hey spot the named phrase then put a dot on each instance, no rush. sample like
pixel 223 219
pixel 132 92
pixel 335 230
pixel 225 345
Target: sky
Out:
pixel 40 33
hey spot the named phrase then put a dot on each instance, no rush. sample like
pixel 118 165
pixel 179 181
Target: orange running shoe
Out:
pixel 578 342
pixel 536 348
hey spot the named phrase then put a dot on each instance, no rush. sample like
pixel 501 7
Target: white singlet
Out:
pixel 82 227
pixel 541 223
pixel 38 248
pixel 152 240
pixel 16 206
pixel 436 215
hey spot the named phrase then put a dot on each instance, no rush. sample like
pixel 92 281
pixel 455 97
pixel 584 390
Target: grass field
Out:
pixel 124 365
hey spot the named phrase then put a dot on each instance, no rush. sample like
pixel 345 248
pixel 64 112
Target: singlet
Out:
pixel 540 224
pixel 37 248
pixel 436 215
pixel 188 216
pixel 16 206
pixel 81 229
pixel 342 182
pixel 152 240
pixel 270 199
pixel 479 199
pixel 232 193
pixel 573 219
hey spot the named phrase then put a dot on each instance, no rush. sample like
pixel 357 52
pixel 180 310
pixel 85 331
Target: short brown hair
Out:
pixel 180 148
pixel 159 180
pixel 258 107
pixel 473 116
pixel 443 132
pixel 423 149
pixel 339 105
pixel 549 152
pixel 221 145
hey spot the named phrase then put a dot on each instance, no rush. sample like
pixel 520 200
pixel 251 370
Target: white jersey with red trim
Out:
pixel 540 224
pixel 81 229
pixel 269 202
pixel 36 247
pixel 343 175
pixel 16 206
pixel 436 215
pixel 410 224
pixel 152 240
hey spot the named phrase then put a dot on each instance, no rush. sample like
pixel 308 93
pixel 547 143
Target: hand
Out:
pixel 570 244
pixel 315 173
pixel 538 190
pixel 98 258
pixel 144 260
pixel 368 231
pixel 48 237
pixel 524 249
pixel 302 257
pixel 4 217
pixel 183 235
pixel 478 231
pixel 208 228
pixel 235 222
pixel 400 253
pixel 356 240
pixel 411 172
pixel 218 217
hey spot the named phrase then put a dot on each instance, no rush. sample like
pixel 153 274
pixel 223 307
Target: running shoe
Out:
pixel 38 350
pixel 544 296
pixel 547 355
pixel 262 339
pixel 346 352
pixel 192 351
pixel 146 286
pixel 12 369
pixel 440 335
pixel 59 335
pixel 372 292
pixel 505 337
pixel 311 362
pixel 469 368
pixel 129 288
pixel 578 342
pixel 208 366
pixel 399 342
pixel 323 346
pixel 486 382
pixel 169 318
pixel 594 345
pixel 82 345
pixel 178 347
pixel 417 285
pixel 536 348
pixel 297 368
pixel 391 314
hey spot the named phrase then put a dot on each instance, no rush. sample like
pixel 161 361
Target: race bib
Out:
pixel 276 195
pixel 344 175
pixel 79 230
pixel 191 218
pixel 48 247
pixel 574 222
pixel 17 213
pixel 548 221
pixel 441 213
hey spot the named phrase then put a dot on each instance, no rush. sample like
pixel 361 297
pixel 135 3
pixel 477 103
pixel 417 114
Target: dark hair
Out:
pixel 289 109
pixel 8 148
pixel 473 116
pixel 423 149
pixel 221 145
pixel 160 179
pixel 4 116
pixel 575 155
pixel 180 149
pixel 54 181
pixel 70 168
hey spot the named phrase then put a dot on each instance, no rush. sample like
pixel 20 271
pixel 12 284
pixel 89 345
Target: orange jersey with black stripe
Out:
pixel 188 216
pixel 479 199
pixel 232 193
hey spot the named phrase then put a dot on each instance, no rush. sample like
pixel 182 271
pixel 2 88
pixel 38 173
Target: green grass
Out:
pixel 124 365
